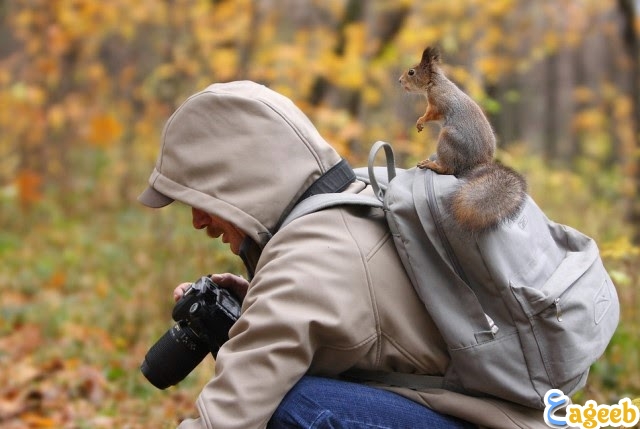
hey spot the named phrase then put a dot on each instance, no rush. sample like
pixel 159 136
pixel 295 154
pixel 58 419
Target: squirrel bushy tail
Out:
pixel 489 195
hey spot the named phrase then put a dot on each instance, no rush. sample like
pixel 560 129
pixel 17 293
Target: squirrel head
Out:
pixel 419 77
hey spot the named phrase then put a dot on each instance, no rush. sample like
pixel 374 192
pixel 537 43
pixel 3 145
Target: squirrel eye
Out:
pixel 411 72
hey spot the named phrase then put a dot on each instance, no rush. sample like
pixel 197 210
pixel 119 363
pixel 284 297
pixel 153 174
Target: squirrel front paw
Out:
pixel 427 163
pixel 434 166
pixel 419 125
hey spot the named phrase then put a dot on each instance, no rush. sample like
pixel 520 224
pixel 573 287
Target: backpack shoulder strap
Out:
pixel 374 176
pixel 319 202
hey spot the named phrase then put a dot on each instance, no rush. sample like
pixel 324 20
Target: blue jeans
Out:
pixel 323 403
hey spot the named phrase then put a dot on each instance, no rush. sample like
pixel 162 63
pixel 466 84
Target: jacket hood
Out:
pixel 241 152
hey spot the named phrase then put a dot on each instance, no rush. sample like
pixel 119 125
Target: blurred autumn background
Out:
pixel 86 86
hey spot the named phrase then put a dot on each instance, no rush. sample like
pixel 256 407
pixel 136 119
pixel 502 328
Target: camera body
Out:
pixel 203 317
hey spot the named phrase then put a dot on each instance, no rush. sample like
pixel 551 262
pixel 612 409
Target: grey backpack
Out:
pixel 524 308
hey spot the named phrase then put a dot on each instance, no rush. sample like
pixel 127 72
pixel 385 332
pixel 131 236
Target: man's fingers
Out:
pixel 236 284
pixel 179 290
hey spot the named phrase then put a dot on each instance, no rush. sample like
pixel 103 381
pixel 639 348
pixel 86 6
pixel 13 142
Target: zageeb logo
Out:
pixel 589 416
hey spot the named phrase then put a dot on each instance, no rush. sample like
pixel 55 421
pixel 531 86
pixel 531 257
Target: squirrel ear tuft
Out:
pixel 430 55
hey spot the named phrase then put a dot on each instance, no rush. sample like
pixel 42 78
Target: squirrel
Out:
pixel 490 193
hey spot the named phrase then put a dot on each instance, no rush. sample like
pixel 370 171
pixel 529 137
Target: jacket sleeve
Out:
pixel 298 317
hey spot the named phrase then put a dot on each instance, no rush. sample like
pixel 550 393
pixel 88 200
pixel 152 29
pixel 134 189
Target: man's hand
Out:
pixel 238 285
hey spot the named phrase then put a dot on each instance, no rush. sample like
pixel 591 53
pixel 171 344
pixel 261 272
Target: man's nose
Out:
pixel 200 219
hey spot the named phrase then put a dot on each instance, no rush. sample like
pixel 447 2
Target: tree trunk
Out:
pixel 630 39
pixel 551 111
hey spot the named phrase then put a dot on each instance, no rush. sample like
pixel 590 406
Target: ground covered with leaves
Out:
pixel 71 393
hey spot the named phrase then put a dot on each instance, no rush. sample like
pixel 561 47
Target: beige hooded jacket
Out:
pixel 329 291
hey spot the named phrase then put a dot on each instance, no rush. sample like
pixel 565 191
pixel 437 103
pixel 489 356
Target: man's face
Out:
pixel 217 227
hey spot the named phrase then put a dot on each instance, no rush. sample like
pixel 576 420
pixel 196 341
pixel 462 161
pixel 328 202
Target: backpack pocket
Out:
pixel 566 324
pixel 494 368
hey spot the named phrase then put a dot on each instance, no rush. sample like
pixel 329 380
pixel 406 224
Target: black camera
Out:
pixel 204 315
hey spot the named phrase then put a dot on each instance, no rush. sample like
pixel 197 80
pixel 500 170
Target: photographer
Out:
pixel 327 293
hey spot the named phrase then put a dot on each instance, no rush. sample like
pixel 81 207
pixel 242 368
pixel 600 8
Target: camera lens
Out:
pixel 173 356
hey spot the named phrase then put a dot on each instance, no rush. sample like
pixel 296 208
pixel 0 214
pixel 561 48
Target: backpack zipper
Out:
pixel 448 248
pixel 556 304
pixel 435 214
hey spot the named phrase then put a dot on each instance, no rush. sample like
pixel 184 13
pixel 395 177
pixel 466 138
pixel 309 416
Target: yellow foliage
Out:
pixel 75 16
pixel 104 130
pixel 352 75
pixel 499 8
pixel 418 38
pixel 492 37
pixel 622 107
pixel 56 117
pixel 165 71
pixel 338 128
pixel 58 40
pixel 356 35
pixel 620 248
pixel 460 75
pixel 589 120
pixel 492 67
pixel 371 95
pixel 551 42
pixel 28 94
